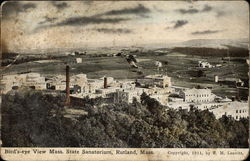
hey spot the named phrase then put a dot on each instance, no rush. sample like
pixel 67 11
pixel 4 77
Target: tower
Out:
pixel 67 101
pixel 105 82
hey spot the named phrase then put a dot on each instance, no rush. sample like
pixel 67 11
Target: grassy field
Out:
pixel 179 66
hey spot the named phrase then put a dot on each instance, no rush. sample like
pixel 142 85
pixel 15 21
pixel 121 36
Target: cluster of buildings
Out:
pixel 205 64
pixel 157 86
pixel 32 80
pixel 204 99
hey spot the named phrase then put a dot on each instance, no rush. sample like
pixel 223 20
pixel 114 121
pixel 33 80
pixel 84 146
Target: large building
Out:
pixel 235 109
pixel 162 81
pixel 197 95
pixel 34 80
pixel 8 82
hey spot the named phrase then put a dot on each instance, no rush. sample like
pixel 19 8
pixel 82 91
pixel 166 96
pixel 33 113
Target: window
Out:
pixel 236 117
pixel 240 111
pixel 236 111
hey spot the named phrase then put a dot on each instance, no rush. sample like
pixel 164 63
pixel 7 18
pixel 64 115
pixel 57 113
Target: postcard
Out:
pixel 125 80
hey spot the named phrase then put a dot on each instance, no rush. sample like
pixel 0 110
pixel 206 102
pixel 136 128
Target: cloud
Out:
pixel 48 20
pixel 113 31
pixel 99 19
pixel 206 8
pixel 60 5
pixel 77 21
pixel 80 21
pixel 180 23
pixel 139 10
pixel 177 24
pixel 205 32
pixel 10 8
pixel 188 11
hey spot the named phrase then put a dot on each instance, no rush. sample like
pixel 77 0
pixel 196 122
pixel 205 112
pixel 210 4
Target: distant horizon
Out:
pixel 142 45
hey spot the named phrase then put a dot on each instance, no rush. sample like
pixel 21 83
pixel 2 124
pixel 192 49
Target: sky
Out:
pixel 73 24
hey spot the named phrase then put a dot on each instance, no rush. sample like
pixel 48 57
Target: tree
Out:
pixel 34 119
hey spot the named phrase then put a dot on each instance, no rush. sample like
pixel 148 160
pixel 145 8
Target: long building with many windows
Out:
pixel 197 95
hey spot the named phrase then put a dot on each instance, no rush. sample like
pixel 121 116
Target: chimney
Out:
pixel 105 82
pixel 67 102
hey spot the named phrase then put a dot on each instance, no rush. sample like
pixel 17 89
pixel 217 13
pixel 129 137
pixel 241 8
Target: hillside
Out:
pixel 218 52
pixel 33 119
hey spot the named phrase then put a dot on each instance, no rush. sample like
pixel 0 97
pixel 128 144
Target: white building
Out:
pixel 204 64
pixel 197 95
pixel 78 60
pixel 234 109
pixel 28 80
pixel 8 81
pixel 216 78
pixel 35 80
pixel 158 64
pixel 61 86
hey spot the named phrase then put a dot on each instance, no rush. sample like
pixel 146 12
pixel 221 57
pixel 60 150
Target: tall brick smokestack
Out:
pixel 67 102
pixel 105 82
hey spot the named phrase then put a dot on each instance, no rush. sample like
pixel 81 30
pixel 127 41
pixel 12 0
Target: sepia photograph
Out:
pixel 124 74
